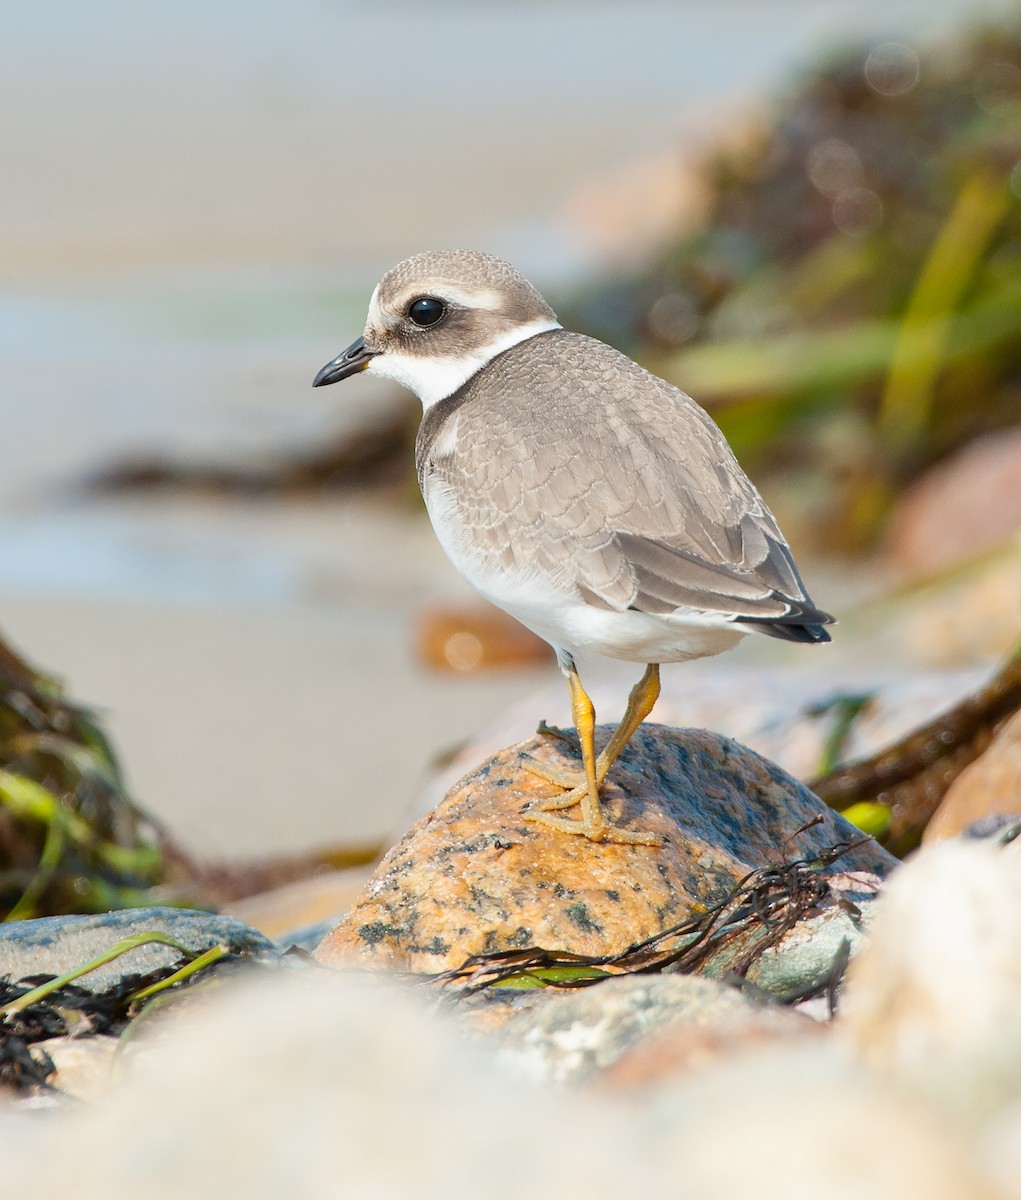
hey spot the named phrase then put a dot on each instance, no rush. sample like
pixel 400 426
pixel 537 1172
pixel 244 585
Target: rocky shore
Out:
pixel 767 997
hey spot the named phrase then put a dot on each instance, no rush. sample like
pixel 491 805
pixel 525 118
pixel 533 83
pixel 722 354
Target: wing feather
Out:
pixel 572 460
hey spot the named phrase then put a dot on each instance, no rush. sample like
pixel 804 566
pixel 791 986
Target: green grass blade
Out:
pixel 108 956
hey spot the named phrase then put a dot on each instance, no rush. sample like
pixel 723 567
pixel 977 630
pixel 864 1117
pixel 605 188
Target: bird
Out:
pixel 595 502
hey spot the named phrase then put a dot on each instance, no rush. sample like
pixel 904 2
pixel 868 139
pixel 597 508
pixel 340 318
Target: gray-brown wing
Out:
pixel 572 460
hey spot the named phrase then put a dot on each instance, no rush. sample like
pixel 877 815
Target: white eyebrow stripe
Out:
pixel 484 298
pixel 475 299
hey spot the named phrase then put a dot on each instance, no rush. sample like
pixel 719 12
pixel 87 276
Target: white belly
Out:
pixel 554 610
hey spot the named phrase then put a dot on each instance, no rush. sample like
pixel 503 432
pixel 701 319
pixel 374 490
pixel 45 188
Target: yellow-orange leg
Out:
pixel 583 787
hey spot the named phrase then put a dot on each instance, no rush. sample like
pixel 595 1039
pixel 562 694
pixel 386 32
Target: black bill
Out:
pixel 354 359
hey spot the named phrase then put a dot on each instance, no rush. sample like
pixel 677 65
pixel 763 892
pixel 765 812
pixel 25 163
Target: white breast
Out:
pixel 552 607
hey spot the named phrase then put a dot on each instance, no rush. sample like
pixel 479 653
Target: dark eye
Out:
pixel 426 311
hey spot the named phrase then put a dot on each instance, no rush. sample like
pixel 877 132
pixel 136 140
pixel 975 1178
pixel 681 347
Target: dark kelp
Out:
pixel 71 837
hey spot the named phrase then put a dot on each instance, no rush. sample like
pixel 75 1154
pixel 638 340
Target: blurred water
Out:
pixel 327 131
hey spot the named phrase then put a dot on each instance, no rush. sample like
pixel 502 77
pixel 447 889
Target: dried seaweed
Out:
pixel 71 837
pixel 768 902
pixel 370 457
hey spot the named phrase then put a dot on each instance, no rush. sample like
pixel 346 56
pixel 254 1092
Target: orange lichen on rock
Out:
pixel 477 876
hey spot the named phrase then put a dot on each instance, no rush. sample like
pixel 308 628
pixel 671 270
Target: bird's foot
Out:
pixel 577 792
pixel 566 799
pixel 571 779
pixel 595 831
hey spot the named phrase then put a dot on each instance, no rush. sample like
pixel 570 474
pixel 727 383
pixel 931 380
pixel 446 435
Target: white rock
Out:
pixel 935 997
pixel 323 1085
pixel 310 1086
pixel 807 1122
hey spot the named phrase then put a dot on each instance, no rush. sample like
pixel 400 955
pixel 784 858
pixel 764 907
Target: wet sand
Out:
pixel 273 727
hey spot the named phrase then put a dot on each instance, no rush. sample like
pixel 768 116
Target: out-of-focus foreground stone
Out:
pixel 318 1084
pixel 991 786
pixel 476 876
pixel 628 1031
pixel 934 999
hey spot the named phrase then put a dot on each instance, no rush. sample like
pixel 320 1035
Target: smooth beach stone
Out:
pixel 476 876
pixel 808 955
pixel 804 1116
pixel 567 1036
pixel 317 1085
pixel 988 787
pixel 934 999
pixel 55 945
pixel 84 1066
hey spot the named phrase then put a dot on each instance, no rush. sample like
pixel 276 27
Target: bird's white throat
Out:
pixel 434 377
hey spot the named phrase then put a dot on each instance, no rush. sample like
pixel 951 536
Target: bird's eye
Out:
pixel 426 311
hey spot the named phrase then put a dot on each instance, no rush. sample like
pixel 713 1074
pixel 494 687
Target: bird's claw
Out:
pixel 601 832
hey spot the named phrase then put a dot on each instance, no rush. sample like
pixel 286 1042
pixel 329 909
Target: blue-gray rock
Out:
pixel 307 937
pixel 814 950
pixel 55 945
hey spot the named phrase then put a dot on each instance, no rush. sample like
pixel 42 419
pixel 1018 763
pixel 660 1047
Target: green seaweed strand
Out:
pixel 108 956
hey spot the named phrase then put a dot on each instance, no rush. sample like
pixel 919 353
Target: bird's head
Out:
pixel 437 318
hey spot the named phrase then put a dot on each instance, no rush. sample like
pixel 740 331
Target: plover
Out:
pixel 593 501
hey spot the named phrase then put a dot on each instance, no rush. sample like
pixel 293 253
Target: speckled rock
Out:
pixel 571 1036
pixel 53 945
pixel 475 876
pixel 990 787
pixel 788 714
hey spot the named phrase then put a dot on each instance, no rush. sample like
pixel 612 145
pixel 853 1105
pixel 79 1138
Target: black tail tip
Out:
pixel 791 631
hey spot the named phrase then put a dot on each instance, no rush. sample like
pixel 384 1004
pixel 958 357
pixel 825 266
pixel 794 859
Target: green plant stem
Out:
pixel 115 951
pixel 213 954
pixel 49 860
pixel 920 354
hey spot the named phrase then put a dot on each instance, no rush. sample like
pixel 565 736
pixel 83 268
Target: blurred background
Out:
pixel 805 212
